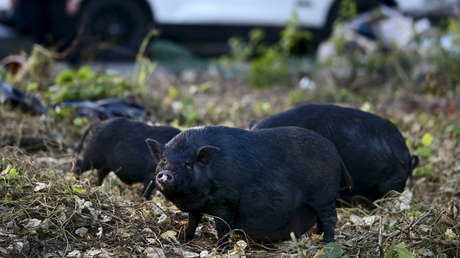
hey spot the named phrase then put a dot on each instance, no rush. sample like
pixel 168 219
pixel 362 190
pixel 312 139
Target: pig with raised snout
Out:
pixel 266 182
pixel 372 148
pixel 118 145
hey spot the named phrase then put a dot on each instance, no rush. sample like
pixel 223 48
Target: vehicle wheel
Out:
pixel 114 28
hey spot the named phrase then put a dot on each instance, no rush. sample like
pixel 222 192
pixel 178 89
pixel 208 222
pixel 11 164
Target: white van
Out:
pixel 125 22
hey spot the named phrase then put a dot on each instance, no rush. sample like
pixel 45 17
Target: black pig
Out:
pixel 372 148
pixel 267 182
pixel 118 145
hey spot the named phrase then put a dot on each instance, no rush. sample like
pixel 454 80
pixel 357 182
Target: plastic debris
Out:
pixel 106 108
pixel 18 97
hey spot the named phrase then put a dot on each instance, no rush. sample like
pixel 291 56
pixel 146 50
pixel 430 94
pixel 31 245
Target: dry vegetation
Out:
pixel 46 211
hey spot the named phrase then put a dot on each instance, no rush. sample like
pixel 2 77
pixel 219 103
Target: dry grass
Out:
pixel 45 211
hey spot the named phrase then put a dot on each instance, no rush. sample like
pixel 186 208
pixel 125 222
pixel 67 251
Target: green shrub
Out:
pixel 84 84
pixel 268 69
pixel 270 63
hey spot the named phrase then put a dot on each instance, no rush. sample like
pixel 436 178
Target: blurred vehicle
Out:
pixel 5 9
pixel 123 24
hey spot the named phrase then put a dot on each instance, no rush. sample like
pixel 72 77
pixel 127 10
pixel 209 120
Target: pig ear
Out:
pixel 205 153
pixel 252 123
pixel 155 147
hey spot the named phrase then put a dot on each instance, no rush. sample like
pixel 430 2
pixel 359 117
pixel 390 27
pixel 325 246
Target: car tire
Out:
pixel 113 28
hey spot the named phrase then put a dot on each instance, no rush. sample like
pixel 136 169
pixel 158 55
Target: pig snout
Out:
pixel 165 177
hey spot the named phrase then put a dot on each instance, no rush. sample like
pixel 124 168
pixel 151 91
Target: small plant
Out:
pixel 424 151
pixel 347 10
pixel 240 50
pixel 298 96
pixel 262 108
pixel 293 36
pixel 144 65
pixel 401 251
pixel 269 69
pixel 447 60
pixel 270 65
pixel 84 84
pixel 190 115
pixel 332 250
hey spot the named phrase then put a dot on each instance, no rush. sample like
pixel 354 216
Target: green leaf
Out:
pixel 78 189
pixel 84 74
pixel 79 121
pixel 32 87
pixel 423 117
pixel 65 76
pixel 191 116
pixel 415 214
pixel 428 170
pixel 403 252
pixel 205 87
pixel 13 174
pixel 389 254
pixel 427 139
pixel 456 130
pixel 332 250
pixel 366 107
pixel 424 151
pixel 262 107
pixel 187 101
pixel 172 93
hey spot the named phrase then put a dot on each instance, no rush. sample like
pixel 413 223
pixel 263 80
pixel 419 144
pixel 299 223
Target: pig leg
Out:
pixel 194 219
pixel 101 173
pixel 327 218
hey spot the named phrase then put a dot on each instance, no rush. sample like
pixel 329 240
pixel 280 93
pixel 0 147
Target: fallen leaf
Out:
pixel 369 220
pixel 319 254
pixel 32 223
pixel 450 235
pixel 74 253
pixel 169 235
pixel 405 198
pixel 151 240
pixel 6 170
pixel 105 218
pixel 316 237
pixel 154 252
pixel 188 254
pixel 164 220
pixel 81 231
pixel 93 252
pixel 99 232
pixel 357 220
pixel 240 247
pixel 40 186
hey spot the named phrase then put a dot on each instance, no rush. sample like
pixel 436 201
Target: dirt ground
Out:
pixel 45 211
